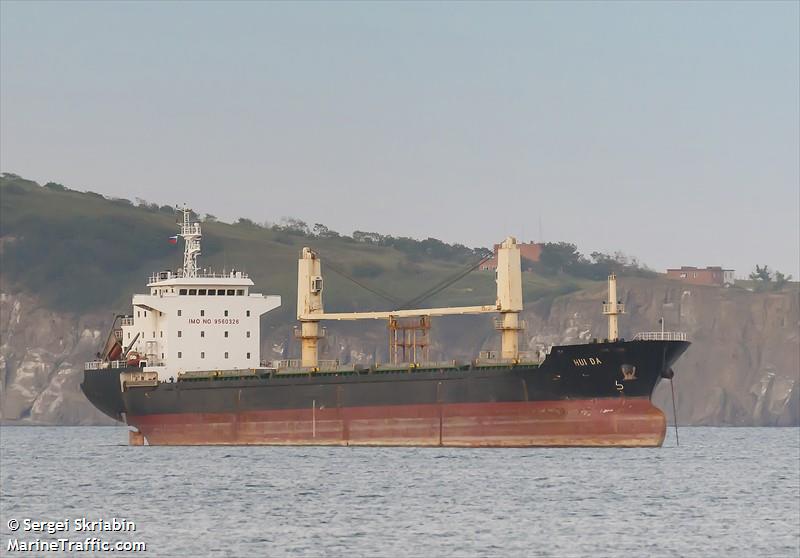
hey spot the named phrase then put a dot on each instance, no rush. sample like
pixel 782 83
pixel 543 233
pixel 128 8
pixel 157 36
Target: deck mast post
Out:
pixel 309 302
pixel 613 308
pixel 509 297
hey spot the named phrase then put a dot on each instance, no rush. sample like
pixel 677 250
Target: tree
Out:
pixel 559 257
pixel 761 274
pixel 769 280
pixel 146 205
pixel 292 225
pixel 367 237
pixel 322 231
pixel 781 280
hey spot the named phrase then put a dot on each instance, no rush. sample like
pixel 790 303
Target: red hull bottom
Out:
pixel 597 422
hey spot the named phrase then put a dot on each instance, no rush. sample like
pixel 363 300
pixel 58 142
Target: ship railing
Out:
pixel 522 356
pixel 127 321
pixel 483 362
pixel 201 274
pixel 191 229
pixel 424 365
pixel 608 308
pixel 521 325
pixel 297 363
pixel 530 356
pixel 101 364
pixel 660 336
pixel 321 332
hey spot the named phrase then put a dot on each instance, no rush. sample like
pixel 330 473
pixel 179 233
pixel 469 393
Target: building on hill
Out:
pixel 530 251
pixel 697 276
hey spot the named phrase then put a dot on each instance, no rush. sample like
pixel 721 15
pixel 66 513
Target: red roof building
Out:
pixel 698 276
pixel 531 251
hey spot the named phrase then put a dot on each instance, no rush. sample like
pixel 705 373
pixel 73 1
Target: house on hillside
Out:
pixel 530 251
pixel 697 276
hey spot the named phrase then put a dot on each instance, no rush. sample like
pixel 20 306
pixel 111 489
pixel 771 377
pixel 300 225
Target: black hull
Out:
pixel 611 373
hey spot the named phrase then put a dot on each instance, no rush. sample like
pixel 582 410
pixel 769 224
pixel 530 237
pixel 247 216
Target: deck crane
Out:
pixel 310 310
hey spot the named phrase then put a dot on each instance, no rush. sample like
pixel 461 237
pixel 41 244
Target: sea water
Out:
pixel 722 492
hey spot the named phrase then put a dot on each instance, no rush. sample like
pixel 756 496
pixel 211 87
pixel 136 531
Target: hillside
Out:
pixel 81 252
pixel 70 260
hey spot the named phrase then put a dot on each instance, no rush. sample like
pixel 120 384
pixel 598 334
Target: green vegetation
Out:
pixel 765 280
pixel 80 251
pixel 563 257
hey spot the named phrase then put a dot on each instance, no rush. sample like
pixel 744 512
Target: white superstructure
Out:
pixel 194 320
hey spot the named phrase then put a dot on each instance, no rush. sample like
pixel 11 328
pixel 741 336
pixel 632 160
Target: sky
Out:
pixel 668 131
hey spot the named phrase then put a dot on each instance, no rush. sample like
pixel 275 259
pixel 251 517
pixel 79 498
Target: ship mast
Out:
pixel 613 308
pixel 191 235
pixel 509 298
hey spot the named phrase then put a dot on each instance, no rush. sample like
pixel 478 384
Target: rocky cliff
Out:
pixel 742 369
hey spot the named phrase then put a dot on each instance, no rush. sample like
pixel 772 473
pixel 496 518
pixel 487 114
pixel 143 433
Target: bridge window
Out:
pixel 231 292
pixel 180 354
pixel 212 292
pixel 220 292
pixel 201 291
pixel 239 292
pixel 182 292
pixel 226 354
pixel 192 291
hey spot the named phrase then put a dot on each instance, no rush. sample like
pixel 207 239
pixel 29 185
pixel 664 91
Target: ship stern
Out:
pixel 102 388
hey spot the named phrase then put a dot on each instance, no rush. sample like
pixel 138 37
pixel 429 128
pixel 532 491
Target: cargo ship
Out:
pixel 184 368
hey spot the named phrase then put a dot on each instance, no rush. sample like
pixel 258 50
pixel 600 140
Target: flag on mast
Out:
pixel 173 239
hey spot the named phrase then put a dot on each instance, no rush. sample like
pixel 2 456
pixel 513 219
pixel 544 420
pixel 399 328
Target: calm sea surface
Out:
pixel 723 492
